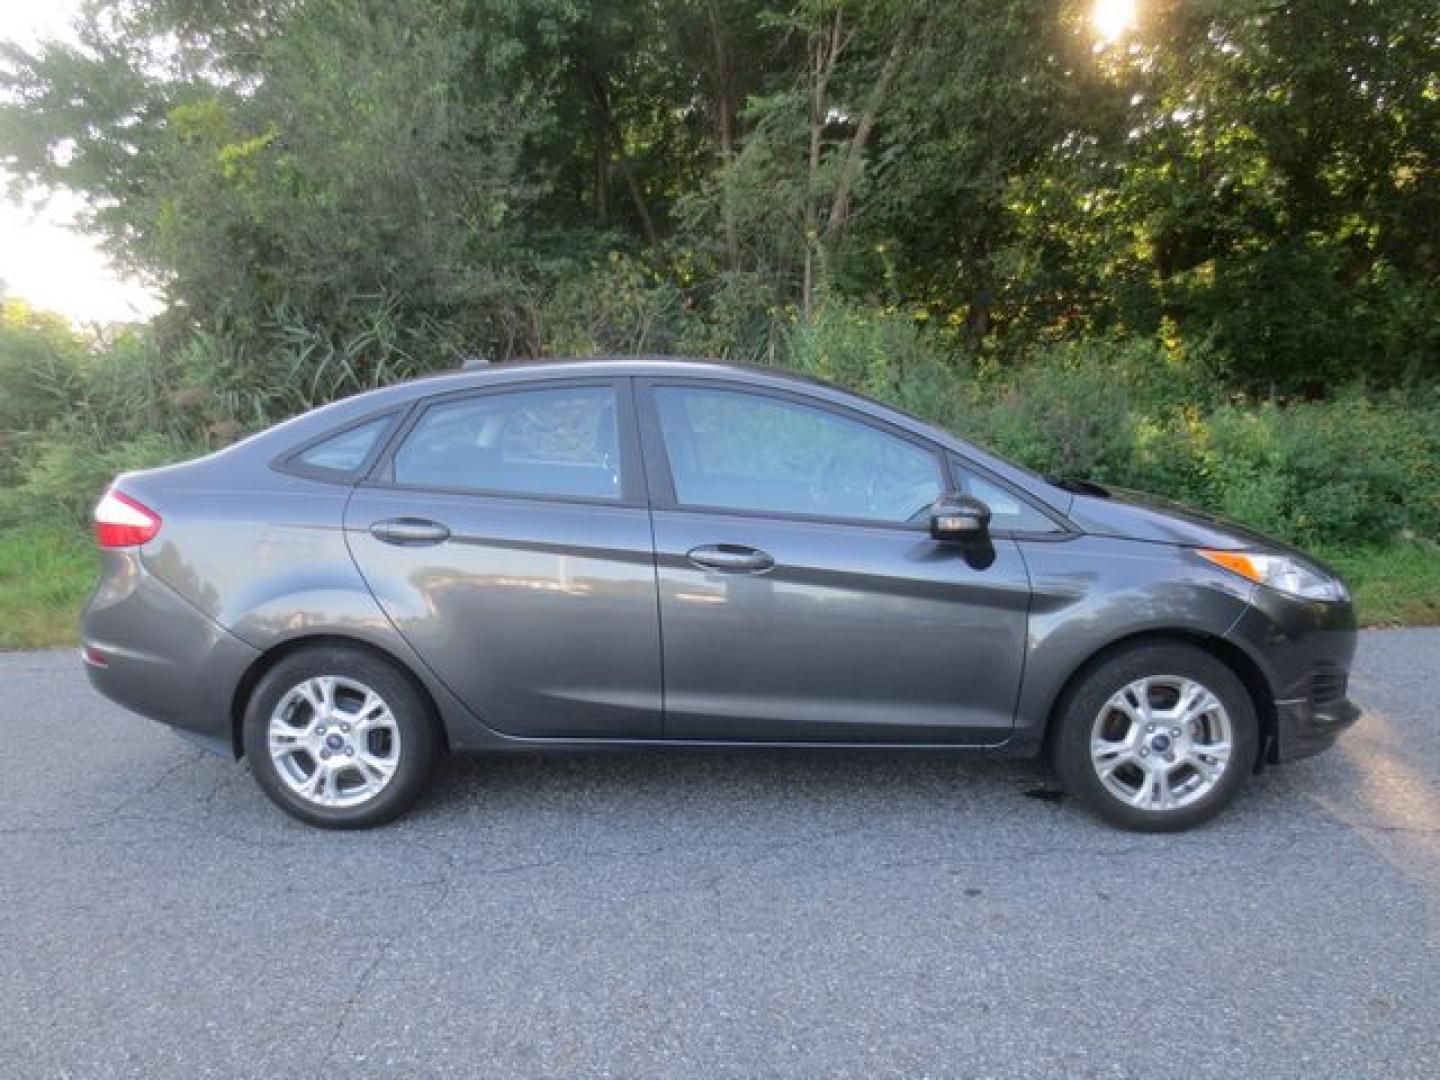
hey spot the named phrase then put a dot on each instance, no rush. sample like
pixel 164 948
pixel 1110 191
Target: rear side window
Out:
pixel 345 452
pixel 561 443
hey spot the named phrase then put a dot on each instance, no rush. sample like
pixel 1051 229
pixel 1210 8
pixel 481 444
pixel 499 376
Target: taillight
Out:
pixel 120 521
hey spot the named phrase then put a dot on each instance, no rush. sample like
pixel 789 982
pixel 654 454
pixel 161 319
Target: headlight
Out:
pixel 1283 573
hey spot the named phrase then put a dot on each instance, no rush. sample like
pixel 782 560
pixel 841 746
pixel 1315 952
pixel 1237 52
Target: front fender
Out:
pixel 1090 592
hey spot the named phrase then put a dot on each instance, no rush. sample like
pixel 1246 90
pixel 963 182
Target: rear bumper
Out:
pixel 148 649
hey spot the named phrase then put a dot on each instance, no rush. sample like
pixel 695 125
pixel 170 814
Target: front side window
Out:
pixel 561 443
pixel 730 449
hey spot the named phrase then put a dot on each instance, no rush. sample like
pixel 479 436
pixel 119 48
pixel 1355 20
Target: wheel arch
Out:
pixel 267 660
pixel 1256 684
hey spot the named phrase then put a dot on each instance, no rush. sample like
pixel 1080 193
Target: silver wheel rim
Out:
pixel 1161 743
pixel 334 741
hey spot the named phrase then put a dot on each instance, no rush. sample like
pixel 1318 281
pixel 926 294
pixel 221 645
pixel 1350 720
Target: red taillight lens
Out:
pixel 120 521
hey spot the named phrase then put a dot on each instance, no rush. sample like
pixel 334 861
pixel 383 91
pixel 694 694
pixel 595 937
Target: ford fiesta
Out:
pixel 565 556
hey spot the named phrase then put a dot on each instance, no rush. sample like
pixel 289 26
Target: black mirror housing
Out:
pixel 955 519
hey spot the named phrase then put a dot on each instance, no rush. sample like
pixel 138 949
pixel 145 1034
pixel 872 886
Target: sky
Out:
pixel 42 259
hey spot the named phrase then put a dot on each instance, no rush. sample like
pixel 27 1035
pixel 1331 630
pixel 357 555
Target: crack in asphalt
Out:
pixel 157 783
pixel 366 977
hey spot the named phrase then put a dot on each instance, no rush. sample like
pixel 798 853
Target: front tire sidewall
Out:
pixel 419 741
pixel 1082 706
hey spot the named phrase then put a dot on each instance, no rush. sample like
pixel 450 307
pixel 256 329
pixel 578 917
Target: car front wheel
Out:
pixel 339 738
pixel 1157 738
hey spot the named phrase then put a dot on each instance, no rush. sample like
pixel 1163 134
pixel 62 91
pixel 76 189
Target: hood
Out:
pixel 1135 515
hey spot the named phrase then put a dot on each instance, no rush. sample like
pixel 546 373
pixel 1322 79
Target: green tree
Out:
pixel 298 164
pixel 1267 177
pixel 337 192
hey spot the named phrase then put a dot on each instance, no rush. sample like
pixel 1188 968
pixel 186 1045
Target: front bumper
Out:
pixel 1303 730
pixel 1304 649
pixel 147 648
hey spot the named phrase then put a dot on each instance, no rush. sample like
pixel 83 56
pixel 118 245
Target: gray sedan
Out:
pixel 642 554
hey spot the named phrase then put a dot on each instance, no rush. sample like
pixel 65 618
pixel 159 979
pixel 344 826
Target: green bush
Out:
pixel 618 307
pixel 1355 469
pixel 63 473
pixel 885 355
pixel 230 384
pixel 42 365
pixel 1358 469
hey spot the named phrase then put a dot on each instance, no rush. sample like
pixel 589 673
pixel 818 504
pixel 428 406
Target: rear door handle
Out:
pixel 731 558
pixel 410 532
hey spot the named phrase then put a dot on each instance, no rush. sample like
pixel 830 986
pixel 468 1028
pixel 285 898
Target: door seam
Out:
pixel 641 441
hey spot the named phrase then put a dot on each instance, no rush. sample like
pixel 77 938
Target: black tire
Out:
pixel 1083 704
pixel 418 746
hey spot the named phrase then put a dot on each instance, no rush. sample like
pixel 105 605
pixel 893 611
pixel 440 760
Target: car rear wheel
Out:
pixel 339 738
pixel 1157 738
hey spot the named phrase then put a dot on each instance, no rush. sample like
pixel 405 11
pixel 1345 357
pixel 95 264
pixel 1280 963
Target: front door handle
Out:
pixel 410 532
pixel 731 558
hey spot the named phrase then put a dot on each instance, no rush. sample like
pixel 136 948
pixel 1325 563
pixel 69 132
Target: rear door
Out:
pixel 507 538
pixel 801 596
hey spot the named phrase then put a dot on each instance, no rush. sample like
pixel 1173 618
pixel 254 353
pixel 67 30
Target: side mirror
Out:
pixel 955 519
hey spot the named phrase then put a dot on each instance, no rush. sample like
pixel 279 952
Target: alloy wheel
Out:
pixel 1161 742
pixel 334 741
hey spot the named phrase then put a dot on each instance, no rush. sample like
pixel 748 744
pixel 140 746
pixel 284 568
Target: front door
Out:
pixel 509 542
pixel 801 597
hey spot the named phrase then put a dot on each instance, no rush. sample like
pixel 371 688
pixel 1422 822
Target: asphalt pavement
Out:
pixel 735 915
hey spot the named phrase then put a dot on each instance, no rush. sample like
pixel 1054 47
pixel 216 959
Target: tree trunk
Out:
pixel 642 210
pixel 611 142
pixel 825 49
pixel 722 81
pixel 850 170
pixel 600 95
pixel 602 176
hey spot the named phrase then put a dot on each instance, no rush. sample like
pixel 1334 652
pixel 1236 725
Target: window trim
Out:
pixel 289 461
pixel 381 473
pixel 661 482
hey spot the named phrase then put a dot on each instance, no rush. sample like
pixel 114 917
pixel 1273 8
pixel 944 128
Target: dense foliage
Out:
pixel 1361 468
pixel 1202 258
pixel 1260 179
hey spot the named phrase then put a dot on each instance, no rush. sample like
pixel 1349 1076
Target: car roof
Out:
pixel 476 376
pixel 479 373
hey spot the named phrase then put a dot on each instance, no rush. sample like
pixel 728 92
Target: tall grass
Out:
pixel 46 572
